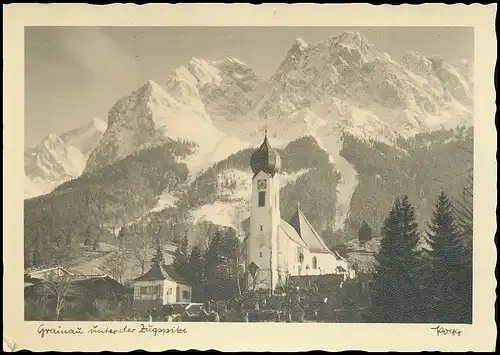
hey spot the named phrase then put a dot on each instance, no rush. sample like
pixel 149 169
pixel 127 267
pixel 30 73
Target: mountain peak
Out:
pixel 52 138
pixel 229 61
pixel 153 86
pixel 350 38
pixel 98 124
pixel 152 91
pixel 300 43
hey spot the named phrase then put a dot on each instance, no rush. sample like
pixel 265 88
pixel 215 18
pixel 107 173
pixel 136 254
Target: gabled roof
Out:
pixel 42 272
pixel 164 272
pixel 306 231
pixel 174 275
pixel 291 233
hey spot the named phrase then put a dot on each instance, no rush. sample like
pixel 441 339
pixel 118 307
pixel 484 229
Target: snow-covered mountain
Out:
pixel 346 73
pixel 59 158
pixel 344 84
pixel 151 116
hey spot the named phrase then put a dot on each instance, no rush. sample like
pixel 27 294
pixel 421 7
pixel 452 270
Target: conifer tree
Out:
pixel 364 233
pixel 396 294
pixel 448 256
pixel 464 211
pixel 157 259
pixel 181 258
pixel 196 277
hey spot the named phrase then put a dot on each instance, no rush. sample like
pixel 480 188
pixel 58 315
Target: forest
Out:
pixel 93 205
pixel 420 167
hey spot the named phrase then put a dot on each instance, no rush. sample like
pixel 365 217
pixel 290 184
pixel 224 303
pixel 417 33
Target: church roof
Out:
pixel 300 231
pixel 163 272
pixel 306 231
pixel 266 159
pixel 292 233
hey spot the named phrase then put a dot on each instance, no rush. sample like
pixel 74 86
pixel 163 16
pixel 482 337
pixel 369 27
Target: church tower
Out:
pixel 262 243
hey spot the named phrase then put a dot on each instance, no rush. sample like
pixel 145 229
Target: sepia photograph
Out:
pixel 292 174
pixel 311 174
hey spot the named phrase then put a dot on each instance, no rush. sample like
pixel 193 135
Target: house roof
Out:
pixel 163 272
pixel 31 280
pixel 307 233
pixel 41 272
pixel 82 277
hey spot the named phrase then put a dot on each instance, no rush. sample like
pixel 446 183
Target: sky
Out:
pixel 75 74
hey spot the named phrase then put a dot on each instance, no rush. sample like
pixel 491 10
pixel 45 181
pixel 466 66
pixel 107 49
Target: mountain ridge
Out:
pixel 57 159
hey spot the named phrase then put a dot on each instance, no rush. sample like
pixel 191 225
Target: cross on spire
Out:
pixel 265 130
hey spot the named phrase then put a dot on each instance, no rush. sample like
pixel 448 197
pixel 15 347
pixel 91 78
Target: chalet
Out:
pixel 160 286
pixel 88 295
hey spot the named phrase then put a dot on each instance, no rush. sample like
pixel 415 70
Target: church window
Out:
pixel 314 262
pixel 261 228
pixel 262 198
pixel 261 254
pixel 300 255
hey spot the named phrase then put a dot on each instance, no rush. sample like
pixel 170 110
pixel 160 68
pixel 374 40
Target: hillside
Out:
pixel 420 167
pixel 94 205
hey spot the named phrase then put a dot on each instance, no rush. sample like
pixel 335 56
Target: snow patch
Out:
pixel 302 44
pixel 229 214
pixel 287 178
pixel 165 200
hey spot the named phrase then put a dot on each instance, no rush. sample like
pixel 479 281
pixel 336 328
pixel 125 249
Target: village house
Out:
pixel 85 295
pixel 160 286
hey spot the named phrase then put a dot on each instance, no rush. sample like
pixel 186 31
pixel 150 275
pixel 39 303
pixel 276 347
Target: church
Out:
pixel 277 249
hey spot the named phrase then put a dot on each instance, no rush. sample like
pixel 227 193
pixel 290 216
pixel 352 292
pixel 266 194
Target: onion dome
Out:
pixel 265 159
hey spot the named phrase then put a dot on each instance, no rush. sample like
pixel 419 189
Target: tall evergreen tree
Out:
pixel 396 294
pixel 449 265
pixel 364 233
pixel 464 215
pixel 158 259
pixel 181 258
pixel 196 277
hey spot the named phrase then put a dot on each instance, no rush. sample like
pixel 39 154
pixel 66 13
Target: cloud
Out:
pixel 95 52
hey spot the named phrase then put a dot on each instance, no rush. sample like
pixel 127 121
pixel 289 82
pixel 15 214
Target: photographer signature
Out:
pixel 447 331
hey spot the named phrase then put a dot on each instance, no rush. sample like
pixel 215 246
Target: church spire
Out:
pixel 265 130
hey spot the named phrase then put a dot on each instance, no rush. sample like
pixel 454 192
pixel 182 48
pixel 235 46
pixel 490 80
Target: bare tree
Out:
pixel 114 266
pixel 141 246
pixel 141 251
pixel 59 288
